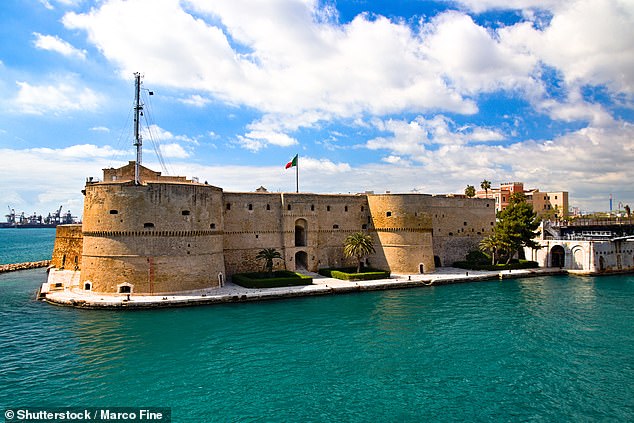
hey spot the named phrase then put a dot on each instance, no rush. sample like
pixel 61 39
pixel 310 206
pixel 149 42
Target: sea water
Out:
pixel 542 349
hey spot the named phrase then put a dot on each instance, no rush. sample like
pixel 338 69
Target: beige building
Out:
pixel 170 234
pixel 545 204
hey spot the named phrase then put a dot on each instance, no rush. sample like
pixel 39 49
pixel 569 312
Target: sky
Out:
pixel 401 96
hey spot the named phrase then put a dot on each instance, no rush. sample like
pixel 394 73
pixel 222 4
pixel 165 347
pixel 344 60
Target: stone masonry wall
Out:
pixel 459 224
pixel 67 251
pixel 155 238
pixel 403 229
pixel 310 227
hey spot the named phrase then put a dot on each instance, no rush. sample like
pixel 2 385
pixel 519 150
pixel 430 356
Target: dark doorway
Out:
pixel 421 268
pixel 300 232
pixel 301 260
pixel 601 264
pixel 437 262
pixel 557 256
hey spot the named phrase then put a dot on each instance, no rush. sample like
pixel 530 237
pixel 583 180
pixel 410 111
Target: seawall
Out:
pixel 24 266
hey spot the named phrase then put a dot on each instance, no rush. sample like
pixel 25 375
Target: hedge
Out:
pixel 280 278
pixel 350 274
pixel 522 264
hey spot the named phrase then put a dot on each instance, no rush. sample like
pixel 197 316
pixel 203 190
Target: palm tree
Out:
pixel 491 244
pixel 486 186
pixel 358 245
pixel 470 191
pixel 268 254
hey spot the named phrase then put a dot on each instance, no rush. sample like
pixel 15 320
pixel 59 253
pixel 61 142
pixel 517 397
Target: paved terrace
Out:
pixel 231 293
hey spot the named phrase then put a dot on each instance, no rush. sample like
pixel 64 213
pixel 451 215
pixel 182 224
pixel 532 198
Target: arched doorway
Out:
pixel 301 260
pixel 301 227
pixel 421 268
pixel 557 256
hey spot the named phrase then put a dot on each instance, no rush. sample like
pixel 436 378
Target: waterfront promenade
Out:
pixel 231 293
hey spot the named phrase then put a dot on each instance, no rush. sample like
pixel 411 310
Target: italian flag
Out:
pixel 292 162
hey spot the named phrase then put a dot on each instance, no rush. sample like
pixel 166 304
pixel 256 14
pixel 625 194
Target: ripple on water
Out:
pixel 535 349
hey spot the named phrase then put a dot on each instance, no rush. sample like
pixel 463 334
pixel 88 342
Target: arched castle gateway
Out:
pixel 170 234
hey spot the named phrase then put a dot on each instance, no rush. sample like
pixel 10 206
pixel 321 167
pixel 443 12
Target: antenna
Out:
pixel 138 142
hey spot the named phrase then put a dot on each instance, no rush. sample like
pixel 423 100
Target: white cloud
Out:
pixel 587 40
pixel 195 100
pixel 56 44
pixel 100 129
pixel 291 61
pixel 479 6
pixel 411 138
pixel 56 99
pixel 173 150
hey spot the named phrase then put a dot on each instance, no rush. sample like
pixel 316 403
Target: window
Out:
pixel 185 212
pixel 345 208
pixel 327 208
pixel 312 207
pixel 114 211
pixel 125 289
pixel 388 214
pixel 335 226
pixel 268 207
pixel 364 226
pixel 228 206
pixel 362 208
pixel 87 286
pixel 288 207
pixel 212 226
pixel 465 223
pixel 148 225
pixel 250 206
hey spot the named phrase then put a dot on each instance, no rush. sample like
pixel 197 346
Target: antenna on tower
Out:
pixel 138 141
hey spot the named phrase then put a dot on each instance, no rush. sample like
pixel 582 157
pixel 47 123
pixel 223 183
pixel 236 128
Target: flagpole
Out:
pixel 297 175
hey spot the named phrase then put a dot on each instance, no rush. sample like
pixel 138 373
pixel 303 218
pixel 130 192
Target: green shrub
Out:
pixel 521 264
pixel 280 278
pixel 350 274
pixel 478 257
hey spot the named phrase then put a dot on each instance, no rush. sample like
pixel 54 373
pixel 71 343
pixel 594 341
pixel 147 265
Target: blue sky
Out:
pixel 400 96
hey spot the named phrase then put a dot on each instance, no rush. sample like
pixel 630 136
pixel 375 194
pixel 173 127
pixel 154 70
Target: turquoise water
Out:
pixel 28 244
pixel 543 349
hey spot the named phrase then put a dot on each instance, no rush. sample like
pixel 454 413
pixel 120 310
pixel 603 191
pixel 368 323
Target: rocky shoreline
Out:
pixel 24 266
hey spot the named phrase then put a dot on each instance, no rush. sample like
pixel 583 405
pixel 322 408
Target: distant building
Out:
pixel 545 204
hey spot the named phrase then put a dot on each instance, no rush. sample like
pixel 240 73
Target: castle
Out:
pixel 145 233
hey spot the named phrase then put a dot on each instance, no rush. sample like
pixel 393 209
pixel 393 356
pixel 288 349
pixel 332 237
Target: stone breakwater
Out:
pixel 24 266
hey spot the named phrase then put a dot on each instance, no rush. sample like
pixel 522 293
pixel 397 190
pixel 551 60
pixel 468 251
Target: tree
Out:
pixel 470 191
pixel 491 244
pixel 268 255
pixel 358 245
pixel 517 226
pixel 486 186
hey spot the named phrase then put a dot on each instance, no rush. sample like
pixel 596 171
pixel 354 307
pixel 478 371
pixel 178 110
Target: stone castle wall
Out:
pixel 67 251
pixel 308 227
pixel 404 232
pixel 154 238
pixel 459 224
pixel 162 237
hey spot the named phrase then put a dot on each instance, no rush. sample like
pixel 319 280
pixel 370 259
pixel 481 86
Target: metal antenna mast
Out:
pixel 138 142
